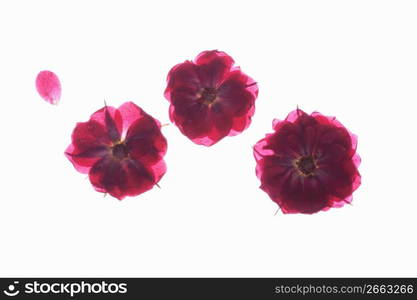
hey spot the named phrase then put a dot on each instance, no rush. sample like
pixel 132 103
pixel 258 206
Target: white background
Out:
pixel 356 60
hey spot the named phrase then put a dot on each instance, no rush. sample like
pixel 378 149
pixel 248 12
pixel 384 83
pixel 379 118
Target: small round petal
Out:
pixel 303 195
pixel 131 113
pixel 121 178
pixel 331 151
pixel 242 123
pixel 336 142
pixel 341 179
pixel 83 161
pixel 90 142
pixel 237 93
pixel 273 172
pixel 213 67
pixel 210 98
pixel 145 142
pixel 111 119
pixel 48 86
pixel 182 76
pixel 192 118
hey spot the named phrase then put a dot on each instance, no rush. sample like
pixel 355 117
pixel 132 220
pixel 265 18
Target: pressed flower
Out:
pixel 210 97
pixel 48 86
pixel 308 164
pixel 121 150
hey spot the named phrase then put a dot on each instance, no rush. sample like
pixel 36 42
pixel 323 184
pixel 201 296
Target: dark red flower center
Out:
pixel 306 165
pixel 208 95
pixel 120 151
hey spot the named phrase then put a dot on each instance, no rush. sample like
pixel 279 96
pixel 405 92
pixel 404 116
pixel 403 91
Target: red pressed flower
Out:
pixel 308 164
pixel 48 86
pixel 210 98
pixel 121 150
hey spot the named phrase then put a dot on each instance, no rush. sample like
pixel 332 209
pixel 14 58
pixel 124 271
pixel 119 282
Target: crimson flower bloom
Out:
pixel 210 98
pixel 308 164
pixel 121 150
pixel 48 86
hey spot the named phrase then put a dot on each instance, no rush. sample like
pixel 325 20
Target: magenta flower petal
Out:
pixel 90 142
pixel 120 149
pixel 213 67
pixel 145 142
pixel 210 98
pixel 121 178
pixel 308 164
pixel 48 86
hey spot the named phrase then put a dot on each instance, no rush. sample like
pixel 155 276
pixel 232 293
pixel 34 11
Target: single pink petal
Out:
pixel 48 86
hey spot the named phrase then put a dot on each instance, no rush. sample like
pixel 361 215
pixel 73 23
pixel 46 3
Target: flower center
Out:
pixel 208 95
pixel 119 151
pixel 306 165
